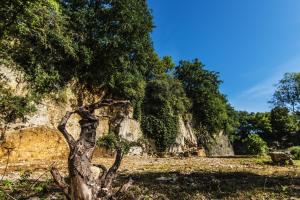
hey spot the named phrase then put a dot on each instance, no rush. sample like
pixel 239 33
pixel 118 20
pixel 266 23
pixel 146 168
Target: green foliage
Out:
pixel 295 151
pixel 108 141
pixel 165 100
pixel 254 123
pixel 38 44
pixel 287 93
pixel 2 194
pixel 13 107
pixel 210 108
pixel 103 45
pixel 162 130
pixel 112 142
pixel 253 144
pixel 282 123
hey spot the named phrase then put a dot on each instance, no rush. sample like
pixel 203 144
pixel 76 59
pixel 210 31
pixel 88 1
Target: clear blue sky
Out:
pixel 250 42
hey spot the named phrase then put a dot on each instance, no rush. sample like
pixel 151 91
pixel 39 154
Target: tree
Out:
pixel 210 107
pixel 254 145
pixel 287 93
pixel 251 124
pixel 283 124
pixel 103 46
pixel 82 184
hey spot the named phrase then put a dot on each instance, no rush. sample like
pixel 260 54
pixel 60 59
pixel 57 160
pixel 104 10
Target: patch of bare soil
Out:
pixel 174 178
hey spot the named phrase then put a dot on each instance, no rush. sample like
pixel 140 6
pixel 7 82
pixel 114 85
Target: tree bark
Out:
pixel 82 185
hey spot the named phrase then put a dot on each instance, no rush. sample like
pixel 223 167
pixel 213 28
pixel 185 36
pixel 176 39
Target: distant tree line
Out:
pixel 279 128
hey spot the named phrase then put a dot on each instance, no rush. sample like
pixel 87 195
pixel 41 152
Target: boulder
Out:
pixel 219 145
pixel 281 158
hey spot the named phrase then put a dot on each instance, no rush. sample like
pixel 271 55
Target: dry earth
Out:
pixel 175 178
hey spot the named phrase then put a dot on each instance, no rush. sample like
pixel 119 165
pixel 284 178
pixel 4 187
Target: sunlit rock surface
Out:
pixel 185 139
pixel 220 145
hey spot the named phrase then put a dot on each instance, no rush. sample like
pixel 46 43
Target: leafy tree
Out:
pixel 37 43
pixel 254 145
pixel 10 12
pixel 283 124
pixel 102 45
pixel 287 93
pixel 210 107
pixel 251 123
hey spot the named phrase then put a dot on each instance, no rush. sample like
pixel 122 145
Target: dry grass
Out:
pixel 189 178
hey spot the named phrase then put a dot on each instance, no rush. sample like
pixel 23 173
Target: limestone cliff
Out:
pixel 29 138
pixel 220 145
pixel 38 136
pixel 185 137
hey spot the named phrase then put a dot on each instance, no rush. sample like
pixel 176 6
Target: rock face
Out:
pixel 29 138
pixel 42 126
pixel 220 146
pixel 36 143
pixel 185 139
pixel 130 130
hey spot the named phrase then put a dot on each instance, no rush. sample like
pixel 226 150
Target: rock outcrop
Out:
pixel 220 145
pixel 30 138
pixel 37 143
pixel 185 139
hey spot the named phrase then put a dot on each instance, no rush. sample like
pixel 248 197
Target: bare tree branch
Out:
pixel 62 128
pixel 110 175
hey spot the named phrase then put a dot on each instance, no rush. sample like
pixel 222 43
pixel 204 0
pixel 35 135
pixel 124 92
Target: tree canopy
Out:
pixel 287 93
pixel 210 107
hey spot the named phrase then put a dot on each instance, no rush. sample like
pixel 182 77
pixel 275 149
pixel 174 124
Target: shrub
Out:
pixel 254 145
pixel 113 142
pixel 295 151
pixel 163 131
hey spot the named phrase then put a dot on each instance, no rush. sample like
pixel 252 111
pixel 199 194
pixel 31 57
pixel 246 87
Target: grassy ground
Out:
pixel 174 178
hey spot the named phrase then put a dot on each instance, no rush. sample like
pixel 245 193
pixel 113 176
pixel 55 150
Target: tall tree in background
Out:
pixel 202 87
pixel 287 93
pixel 283 124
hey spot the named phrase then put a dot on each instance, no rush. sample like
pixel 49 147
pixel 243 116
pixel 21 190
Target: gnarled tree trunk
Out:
pixel 82 185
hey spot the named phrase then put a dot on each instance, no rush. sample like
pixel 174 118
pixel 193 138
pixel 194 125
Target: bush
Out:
pixel 254 145
pixel 163 131
pixel 295 151
pixel 112 142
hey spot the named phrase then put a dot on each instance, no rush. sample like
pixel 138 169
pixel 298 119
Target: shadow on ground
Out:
pixel 217 185
pixel 175 185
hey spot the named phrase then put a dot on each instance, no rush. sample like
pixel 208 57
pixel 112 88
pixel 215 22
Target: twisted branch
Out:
pixel 62 128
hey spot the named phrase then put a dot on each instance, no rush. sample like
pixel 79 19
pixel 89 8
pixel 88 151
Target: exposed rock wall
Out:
pixel 220 145
pixel 36 143
pixel 29 139
pixel 185 138
pixel 42 125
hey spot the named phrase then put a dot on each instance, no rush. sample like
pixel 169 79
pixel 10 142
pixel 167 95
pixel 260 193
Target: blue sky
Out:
pixel 252 43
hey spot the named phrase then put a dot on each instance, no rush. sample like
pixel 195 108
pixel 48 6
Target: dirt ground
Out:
pixel 174 178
